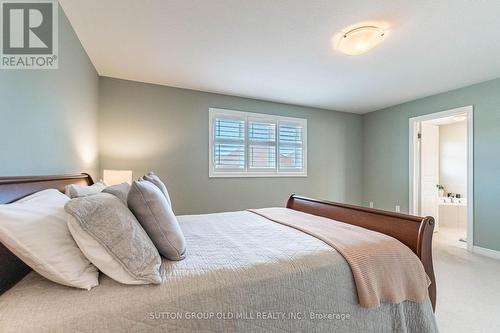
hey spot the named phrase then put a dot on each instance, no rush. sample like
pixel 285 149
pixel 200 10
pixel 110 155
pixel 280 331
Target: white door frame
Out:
pixel 415 164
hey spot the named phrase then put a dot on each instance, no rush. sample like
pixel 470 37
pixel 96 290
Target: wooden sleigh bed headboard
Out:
pixel 415 232
pixel 12 269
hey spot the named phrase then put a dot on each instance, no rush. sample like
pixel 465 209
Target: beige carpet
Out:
pixel 468 285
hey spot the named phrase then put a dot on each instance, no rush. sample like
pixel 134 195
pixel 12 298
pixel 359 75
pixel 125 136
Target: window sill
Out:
pixel 256 175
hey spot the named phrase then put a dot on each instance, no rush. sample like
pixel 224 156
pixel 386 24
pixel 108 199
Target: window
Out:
pixel 244 144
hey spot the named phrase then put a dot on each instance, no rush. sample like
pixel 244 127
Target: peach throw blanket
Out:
pixel 384 269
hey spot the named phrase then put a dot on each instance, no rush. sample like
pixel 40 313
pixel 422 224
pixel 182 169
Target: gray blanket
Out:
pixel 242 273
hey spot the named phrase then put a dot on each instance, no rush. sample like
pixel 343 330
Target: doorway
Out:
pixel 441 172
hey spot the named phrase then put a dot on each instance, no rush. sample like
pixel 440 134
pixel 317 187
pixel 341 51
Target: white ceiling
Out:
pixel 280 50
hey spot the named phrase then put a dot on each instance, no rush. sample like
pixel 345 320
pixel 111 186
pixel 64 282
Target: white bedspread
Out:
pixel 242 273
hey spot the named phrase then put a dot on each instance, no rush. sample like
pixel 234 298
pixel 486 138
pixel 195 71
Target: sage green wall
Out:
pixel 48 118
pixel 146 127
pixel 386 154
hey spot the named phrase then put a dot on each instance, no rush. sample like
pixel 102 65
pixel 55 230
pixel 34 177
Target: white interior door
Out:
pixel 429 171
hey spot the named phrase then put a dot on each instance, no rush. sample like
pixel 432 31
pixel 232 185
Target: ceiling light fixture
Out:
pixel 360 40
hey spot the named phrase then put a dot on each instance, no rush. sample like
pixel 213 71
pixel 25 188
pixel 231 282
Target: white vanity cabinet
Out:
pixel 453 215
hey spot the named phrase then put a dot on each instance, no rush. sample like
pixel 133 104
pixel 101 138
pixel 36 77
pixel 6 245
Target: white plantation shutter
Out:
pixel 246 144
pixel 229 144
pixel 261 144
pixel 291 146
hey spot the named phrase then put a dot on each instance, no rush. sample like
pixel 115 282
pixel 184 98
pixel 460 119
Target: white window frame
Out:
pixel 213 173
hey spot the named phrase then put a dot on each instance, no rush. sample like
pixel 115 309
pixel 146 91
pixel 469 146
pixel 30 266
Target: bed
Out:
pixel 243 273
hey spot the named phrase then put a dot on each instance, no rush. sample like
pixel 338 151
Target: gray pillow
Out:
pixel 103 217
pixel 120 191
pixel 151 177
pixel 152 210
pixel 76 191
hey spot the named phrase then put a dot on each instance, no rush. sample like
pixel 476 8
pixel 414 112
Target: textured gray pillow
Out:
pixel 77 191
pixel 151 177
pixel 114 227
pixel 120 191
pixel 152 210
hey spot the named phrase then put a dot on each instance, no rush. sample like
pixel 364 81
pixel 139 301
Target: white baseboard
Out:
pixel 486 252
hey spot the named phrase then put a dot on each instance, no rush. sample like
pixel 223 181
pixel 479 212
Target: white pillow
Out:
pixel 77 191
pixel 35 230
pixel 98 254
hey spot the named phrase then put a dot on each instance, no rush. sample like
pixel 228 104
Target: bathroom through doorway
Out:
pixel 441 180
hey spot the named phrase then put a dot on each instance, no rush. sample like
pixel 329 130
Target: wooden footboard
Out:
pixel 415 232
